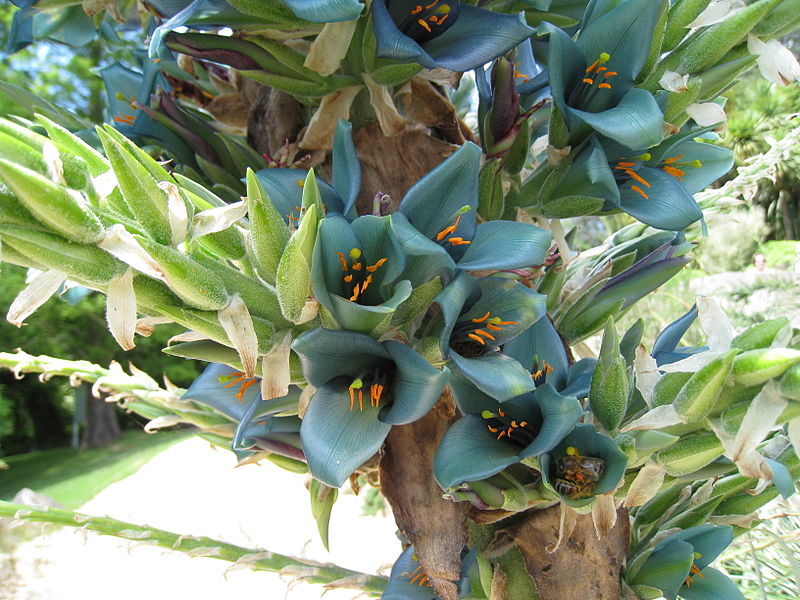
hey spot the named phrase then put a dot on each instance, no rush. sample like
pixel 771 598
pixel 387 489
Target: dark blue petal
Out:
pixel 505 245
pixel 392 43
pixel 477 37
pixel 400 586
pixel 469 452
pixel 416 387
pixel 670 336
pixel 337 440
pixel 346 168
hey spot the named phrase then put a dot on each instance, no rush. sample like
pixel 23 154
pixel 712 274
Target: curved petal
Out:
pixel 334 236
pixel 378 241
pixel 326 354
pixel 215 388
pixel 400 586
pixel 469 452
pixel 509 300
pixel 477 37
pixel 669 338
pixel 590 175
pixel 505 245
pixel 495 374
pixel 434 202
pixel 565 64
pixel 709 541
pixel 559 415
pixel 667 568
pixel 337 440
pixel 364 319
pixel 469 399
pixel 579 379
pixel 540 344
pixel 416 387
pixel 285 190
pixel 346 169
pixel 392 43
pixel 636 121
pixel 715 162
pixel 668 205
pixel 325 11
pixel 713 585
pixel 463 290
pixel 425 259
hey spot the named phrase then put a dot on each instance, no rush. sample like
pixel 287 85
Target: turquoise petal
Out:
pixel 469 399
pixel 540 343
pixel 505 245
pixel 716 162
pixel 377 240
pixel 416 387
pixel 782 478
pixel 590 175
pixel 477 37
pixel 509 300
pixel 434 201
pixel 713 585
pixel 346 168
pixel 636 121
pixel 469 452
pixel 559 415
pixel 463 290
pixel 325 11
pixel 335 235
pixel 626 34
pixel 496 374
pixel 425 259
pixel 667 568
pixel 400 586
pixel 392 43
pixel 285 190
pixel 337 440
pixel 580 377
pixel 707 540
pixel 565 64
pixel 668 205
pixel 364 319
pixel 326 354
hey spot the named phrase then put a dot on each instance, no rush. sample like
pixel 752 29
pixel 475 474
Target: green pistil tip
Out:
pixel 225 378
pixel 120 96
pixel 697 555
pixel 464 209
pixel 604 57
pixel 357 384
pixel 494 320
pixel 571 451
pixel 644 157
pixel 487 414
pixel 355 253
pixel 696 164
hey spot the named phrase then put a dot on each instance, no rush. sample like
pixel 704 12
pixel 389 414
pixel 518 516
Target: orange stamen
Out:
pixel 476 338
pixel 377 265
pixel 625 164
pixel 610 74
pixel 448 230
pixel 458 241
pixel 442 19
pixel 588 81
pixel 492 429
pixel 639 190
pixel 493 327
pixel 507 323
pixel 483 318
pixel 424 24
pixel 361 400
pixel 243 389
pixel 342 260
pixel 354 297
pixel 352 397
pixel 523 423
pixel 669 161
pixel 348 278
pixel 502 433
pixel 432 4
pixel 356 266
pixel 604 86
pixel 637 177
pixel 418 9
pixel 485 334
pixel 677 173
pixel 592 66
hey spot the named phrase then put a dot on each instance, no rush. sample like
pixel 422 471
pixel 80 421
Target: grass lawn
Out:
pixel 73 478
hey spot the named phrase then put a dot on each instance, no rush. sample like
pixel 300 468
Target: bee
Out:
pixel 576 475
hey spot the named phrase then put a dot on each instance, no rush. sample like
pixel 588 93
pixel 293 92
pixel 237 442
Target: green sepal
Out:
pixel 193 283
pixel 293 278
pixel 746 504
pixel 207 323
pixel 657 506
pixel 608 393
pixel 144 199
pixel 567 207
pixel 67 141
pixel 490 191
pixel 697 515
pixel 392 75
pixel 757 366
pixel 689 454
pixel 680 15
pixel 759 335
pixel 716 79
pixel 518 153
pixel 420 299
pixel 288 464
pixel 81 262
pixel 789 385
pixel 206 350
pixel 678 102
pixel 782 19
pixel 699 394
pixel 269 233
pixel 52 204
pixel 296 87
pixel 323 498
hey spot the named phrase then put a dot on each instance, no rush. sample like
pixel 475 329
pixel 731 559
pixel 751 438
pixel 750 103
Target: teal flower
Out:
pixel 409 581
pixel 229 392
pixel 363 388
pixel 444 33
pixel 438 216
pixel 479 316
pixel 356 269
pixel 678 565
pixel 592 78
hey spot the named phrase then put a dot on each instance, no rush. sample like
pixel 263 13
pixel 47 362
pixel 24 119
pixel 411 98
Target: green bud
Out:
pixel 193 283
pixel 64 211
pixel 789 385
pixel 293 279
pixel 667 388
pixel 269 233
pixel 699 394
pixel 697 515
pixel 716 79
pixel 153 295
pixel 323 498
pixel 759 335
pixel 757 366
pixel 782 19
pixel 419 301
pixel 207 323
pixel 689 454
pixel 84 263
pixel 659 32
pixel 681 14
pixel 678 102
pixel 490 191
pixel 288 464
pixel 658 505
pixel 392 75
pixel 567 207
pixel 746 504
pixel 68 142
pixel 608 393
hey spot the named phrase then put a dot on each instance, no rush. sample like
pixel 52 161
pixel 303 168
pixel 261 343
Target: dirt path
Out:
pixel 193 489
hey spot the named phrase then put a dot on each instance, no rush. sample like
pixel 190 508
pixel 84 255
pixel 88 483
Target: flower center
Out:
pixel 624 170
pixel 576 475
pixel 694 571
pixel 469 337
pixel 418 575
pixel 358 276
pixel 238 378
pixel 428 20
pixel 504 426
pixel 372 381
pixel 445 236
pixel 540 374
pixel 595 78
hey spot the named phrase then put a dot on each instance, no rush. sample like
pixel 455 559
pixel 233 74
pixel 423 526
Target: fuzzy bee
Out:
pixel 576 475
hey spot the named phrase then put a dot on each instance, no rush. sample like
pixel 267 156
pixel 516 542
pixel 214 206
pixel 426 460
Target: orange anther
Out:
pixel 493 327
pixel 356 266
pixel 432 4
pixel 514 425
pixel 476 338
pixel 669 161
pixel 675 172
pixel 442 19
pixel 592 66
pixel 604 86
pixel 639 191
pixel 507 323
pixel 492 429
pixel 348 278
pixel 523 423
pixel 485 334
pixel 342 260
pixel 500 412
pixel 637 177
pixel 483 318
pixel 502 433
pixel 354 297
pixel 416 10
pixel 424 24
pixel 365 283
pixel 588 81
pixel 352 397
pixel 361 400
pixel 458 241
pixel 448 230
pixel 626 164
pixel 377 265
pixel 610 74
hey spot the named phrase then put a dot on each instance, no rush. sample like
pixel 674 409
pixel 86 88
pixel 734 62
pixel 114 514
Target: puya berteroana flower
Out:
pixel 444 33
pixel 439 213
pixel 408 580
pixel 656 185
pixel 478 316
pixel 678 565
pixel 363 387
pixel 238 397
pixel 592 79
